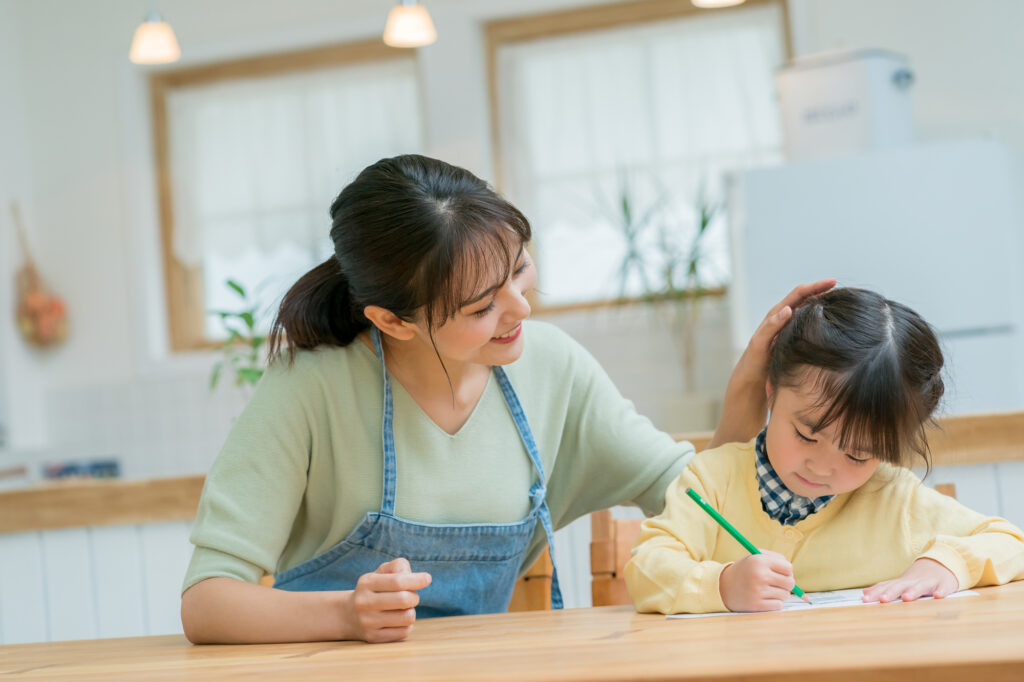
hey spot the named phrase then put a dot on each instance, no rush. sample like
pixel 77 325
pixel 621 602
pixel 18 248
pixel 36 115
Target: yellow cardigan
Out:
pixel 862 537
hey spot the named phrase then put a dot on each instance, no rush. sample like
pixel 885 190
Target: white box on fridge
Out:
pixel 833 104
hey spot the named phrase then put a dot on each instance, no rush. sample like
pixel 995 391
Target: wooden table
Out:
pixel 970 637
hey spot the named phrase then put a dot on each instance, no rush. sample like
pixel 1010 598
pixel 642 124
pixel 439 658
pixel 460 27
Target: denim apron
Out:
pixel 474 565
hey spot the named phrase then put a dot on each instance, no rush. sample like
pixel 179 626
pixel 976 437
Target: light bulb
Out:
pixel 409 25
pixel 154 42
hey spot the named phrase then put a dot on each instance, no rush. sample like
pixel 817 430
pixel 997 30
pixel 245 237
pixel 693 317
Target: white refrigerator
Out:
pixel 939 227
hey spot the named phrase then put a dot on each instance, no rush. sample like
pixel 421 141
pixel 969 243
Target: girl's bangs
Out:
pixel 873 418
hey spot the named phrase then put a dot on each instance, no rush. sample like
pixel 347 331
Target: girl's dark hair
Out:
pixel 876 365
pixel 409 233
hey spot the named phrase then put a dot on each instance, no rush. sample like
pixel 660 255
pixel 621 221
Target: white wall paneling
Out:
pixel 119 581
pixel 23 589
pixel 84 583
pixel 165 556
pixel 70 591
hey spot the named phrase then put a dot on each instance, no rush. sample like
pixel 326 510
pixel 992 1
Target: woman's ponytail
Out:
pixel 316 311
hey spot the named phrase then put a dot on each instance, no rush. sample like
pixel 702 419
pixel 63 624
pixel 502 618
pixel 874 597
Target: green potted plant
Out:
pixel 677 294
pixel 241 356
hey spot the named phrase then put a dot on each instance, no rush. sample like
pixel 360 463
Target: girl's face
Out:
pixel 809 462
pixel 488 330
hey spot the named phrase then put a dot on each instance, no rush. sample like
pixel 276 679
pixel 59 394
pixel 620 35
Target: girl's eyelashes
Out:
pixel 859 460
pixel 803 437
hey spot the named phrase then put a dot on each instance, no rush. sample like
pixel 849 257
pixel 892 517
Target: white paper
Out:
pixel 820 600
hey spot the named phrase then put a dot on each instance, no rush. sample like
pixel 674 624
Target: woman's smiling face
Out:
pixel 487 329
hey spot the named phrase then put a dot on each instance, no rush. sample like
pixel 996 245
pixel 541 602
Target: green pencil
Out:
pixel 735 533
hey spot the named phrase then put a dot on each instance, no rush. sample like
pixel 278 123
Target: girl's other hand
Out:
pixel 382 608
pixel 924 578
pixel 759 582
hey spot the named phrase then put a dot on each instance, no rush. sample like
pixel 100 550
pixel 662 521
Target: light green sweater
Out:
pixel 303 463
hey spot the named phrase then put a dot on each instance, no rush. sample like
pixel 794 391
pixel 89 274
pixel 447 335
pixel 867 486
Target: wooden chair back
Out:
pixel 610 545
pixel 533 590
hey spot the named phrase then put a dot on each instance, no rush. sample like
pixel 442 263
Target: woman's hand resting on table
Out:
pixel 382 608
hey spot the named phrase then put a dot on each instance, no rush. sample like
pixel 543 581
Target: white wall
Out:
pixel 21 388
pixel 82 163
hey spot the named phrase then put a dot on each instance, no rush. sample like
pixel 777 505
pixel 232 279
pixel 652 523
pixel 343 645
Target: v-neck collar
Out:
pixel 396 385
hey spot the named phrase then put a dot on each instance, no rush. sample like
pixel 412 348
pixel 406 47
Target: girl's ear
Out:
pixel 769 390
pixel 389 323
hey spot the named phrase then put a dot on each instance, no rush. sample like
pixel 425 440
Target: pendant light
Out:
pixel 154 42
pixel 714 4
pixel 409 25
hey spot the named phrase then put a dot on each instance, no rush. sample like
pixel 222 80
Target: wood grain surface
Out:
pixel 979 637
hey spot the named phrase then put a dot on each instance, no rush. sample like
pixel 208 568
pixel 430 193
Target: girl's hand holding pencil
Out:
pixel 759 582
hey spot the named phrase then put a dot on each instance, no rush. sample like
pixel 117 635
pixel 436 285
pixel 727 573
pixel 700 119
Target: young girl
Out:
pixel 414 442
pixel 853 381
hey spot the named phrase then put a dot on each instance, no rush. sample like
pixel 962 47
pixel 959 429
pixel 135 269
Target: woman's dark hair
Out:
pixel 409 233
pixel 876 365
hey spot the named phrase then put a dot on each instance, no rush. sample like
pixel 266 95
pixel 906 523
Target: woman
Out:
pixel 411 419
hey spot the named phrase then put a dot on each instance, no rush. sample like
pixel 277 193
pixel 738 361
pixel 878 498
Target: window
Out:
pixel 251 156
pixel 613 122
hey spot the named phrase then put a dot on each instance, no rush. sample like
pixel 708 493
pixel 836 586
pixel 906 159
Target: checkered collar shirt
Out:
pixel 777 500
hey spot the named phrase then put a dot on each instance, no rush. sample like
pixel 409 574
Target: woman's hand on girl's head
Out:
pixel 744 407
pixel 924 578
pixel 760 343
pixel 382 608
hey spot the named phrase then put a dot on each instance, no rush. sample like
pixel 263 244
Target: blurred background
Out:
pixel 682 167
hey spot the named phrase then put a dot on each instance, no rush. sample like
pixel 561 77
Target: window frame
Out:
pixel 183 285
pixel 509 31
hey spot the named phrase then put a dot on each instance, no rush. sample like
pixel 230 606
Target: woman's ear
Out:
pixel 389 323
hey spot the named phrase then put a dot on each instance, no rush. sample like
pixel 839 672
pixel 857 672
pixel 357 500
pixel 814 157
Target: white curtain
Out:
pixel 255 164
pixel 649 112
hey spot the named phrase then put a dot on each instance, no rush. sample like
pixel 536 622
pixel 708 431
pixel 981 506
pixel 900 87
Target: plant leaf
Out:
pixel 215 374
pixel 249 375
pixel 237 287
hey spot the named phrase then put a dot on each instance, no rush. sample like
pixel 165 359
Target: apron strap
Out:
pixel 538 492
pixel 387 498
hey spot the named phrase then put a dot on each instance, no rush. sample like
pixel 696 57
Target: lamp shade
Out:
pixel 409 25
pixel 154 42
pixel 712 4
